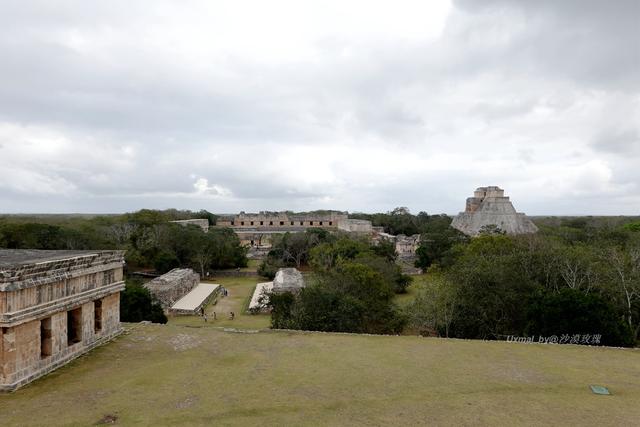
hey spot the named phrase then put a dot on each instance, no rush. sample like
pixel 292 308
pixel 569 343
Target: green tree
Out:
pixel 434 308
pixel 136 304
pixel 571 312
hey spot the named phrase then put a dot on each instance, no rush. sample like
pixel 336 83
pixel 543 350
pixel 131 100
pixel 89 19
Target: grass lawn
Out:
pixel 413 289
pixel 252 265
pixel 166 375
pixel 240 291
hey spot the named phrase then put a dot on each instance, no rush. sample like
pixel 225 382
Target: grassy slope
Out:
pixel 176 375
pixel 192 373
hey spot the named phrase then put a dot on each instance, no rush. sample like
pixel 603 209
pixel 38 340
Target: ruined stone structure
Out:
pixel 172 286
pixel 55 306
pixel 202 223
pixel 406 246
pixel 288 280
pixel 257 230
pixel 490 207
pixel 362 226
pixel 194 301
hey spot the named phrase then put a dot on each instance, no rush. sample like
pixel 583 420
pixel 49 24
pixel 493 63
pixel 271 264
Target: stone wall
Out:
pixel 170 287
pixel 355 226
pixel 37 302
pixel 275 220
pixel 489 207
pixel 21 358
pixel 406 246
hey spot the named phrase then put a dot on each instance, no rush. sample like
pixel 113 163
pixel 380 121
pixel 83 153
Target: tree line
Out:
pixel 150 240
pixel 576 277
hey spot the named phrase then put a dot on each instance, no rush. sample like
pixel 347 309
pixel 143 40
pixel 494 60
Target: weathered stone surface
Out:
pixel 355 225
pixel 406 246
pixel 259 230
pixel 41 294
pixel 194 301
pixel 260 292
pixel 490 207
pixel 288 280
pixel 172 286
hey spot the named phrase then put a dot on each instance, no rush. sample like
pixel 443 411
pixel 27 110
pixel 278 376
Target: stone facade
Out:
pixel 288 280
pixel 172 286
pixel 256 230
pixel 490 207
pixel 362 226
pixel 55 306
pixel 406 246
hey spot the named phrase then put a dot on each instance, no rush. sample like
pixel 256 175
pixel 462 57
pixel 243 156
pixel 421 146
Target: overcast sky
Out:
pixel 352 105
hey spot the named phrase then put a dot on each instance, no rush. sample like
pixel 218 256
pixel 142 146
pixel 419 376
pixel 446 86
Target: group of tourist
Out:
pixel 203 313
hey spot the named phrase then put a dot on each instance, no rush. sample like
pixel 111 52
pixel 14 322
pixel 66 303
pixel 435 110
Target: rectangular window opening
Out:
pixel 97 316
pixel 241 222
pixel 46 345
pixel 310 222
pixel 251 222
pixel 270 222
pixel 281 222
pixel 330 222
pixel 291 222
pixel 320 222
pixel 261 222
pixel 74 326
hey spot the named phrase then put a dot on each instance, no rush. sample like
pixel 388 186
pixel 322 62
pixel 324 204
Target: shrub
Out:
pixel 136 304
pixel 572 312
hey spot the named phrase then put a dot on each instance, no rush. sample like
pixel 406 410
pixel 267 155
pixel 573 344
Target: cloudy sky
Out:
pixel 359 105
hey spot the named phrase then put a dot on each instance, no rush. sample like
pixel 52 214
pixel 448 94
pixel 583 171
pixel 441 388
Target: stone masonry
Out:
pixel 257 230
pixel 490 207
pixel 172 286
pixel 55 306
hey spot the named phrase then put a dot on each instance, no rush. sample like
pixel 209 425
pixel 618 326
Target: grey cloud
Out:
pixel 619 141
pixel 533 82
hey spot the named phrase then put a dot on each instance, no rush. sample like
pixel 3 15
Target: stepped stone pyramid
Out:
pixel 489 206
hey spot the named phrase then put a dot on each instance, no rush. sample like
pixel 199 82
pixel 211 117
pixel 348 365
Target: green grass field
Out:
pixel 165 375
pixel 192 373
pixel 240 291
pixel 416 283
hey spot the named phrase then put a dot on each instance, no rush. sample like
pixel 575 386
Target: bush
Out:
pixel 353 298
pixel 136 304
pixel 165 261
pixel 572 312
pixel 269 267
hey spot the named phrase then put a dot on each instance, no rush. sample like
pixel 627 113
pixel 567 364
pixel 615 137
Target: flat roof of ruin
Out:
pixel 20 257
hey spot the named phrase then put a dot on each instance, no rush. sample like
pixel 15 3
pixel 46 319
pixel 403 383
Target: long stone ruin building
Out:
pixel 258 229
pixel 55 306
pixel 170 287
pixel 490 207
